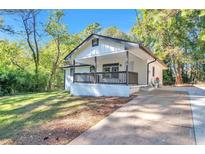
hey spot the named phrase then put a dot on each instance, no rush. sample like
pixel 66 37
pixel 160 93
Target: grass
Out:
pixel 28 118
pixel 30 110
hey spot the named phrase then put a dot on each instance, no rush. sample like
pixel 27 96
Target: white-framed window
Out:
pixel 111 68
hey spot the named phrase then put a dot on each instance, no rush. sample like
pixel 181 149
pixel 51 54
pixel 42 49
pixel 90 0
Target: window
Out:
pixel 111 68
pixel 92 69
pixel 95 42
pixel 153 71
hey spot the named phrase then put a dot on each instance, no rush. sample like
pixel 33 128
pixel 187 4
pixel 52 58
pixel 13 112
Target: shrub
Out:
pixel 17 81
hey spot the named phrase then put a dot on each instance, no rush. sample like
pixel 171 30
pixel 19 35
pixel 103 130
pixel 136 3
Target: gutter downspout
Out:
pixel 148 69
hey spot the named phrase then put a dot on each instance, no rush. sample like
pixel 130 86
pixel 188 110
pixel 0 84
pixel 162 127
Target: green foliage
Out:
pixel 18 81
pixel 56 49
pixel 90 29
pixel 176 35
pixel 168 79
pixel 17 70
pixel 54 27
pixel 115 32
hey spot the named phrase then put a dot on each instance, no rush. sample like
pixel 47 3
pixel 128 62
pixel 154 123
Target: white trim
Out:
pixel 104 54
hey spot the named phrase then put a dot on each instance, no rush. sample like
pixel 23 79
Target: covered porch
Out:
pixel 111 68
pixel 117 73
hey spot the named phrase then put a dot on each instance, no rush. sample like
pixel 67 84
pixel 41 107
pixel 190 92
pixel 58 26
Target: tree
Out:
pixel 172 34
pixel 15 73
pixel 115 32
pixel 90 29
pixel 28 18
pixel 29 22
pixel 13 55
pixel 58 31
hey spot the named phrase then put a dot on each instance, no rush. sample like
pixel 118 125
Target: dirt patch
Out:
pixel 63 130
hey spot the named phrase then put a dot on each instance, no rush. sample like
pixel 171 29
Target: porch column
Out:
pixel 127 67
pixel 73 70
pixel 95 75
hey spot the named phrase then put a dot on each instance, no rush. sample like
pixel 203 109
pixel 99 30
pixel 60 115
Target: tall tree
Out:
pixel 58 31
pixel 28 19
pixel 30 26
pixel 172 34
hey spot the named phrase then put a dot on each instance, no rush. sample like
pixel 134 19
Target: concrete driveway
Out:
pixel 161 116
pixel 197 97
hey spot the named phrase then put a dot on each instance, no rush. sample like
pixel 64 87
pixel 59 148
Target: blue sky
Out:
pixel 77 20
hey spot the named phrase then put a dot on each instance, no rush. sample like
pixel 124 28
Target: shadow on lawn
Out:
pixel 28 119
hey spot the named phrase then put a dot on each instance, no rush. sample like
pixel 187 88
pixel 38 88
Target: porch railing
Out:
pixel 107 77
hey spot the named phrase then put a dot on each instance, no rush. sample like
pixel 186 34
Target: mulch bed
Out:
pixel 65 129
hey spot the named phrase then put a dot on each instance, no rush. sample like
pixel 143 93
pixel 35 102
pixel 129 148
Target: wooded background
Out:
pixel 176 37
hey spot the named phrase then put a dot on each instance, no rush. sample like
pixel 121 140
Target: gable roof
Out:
pixel 141 46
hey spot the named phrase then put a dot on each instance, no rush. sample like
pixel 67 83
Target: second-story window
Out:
pixel 95 42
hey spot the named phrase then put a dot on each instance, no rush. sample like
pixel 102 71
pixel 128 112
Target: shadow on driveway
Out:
pixel 161 116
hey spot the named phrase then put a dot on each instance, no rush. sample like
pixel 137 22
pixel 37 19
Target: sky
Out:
pixel 77 20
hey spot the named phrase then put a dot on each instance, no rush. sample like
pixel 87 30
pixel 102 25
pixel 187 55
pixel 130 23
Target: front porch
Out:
pixel 112 74
pixel 111 68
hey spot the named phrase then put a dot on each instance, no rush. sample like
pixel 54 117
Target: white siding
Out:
pixel 109 60
pixel 140 67
pixel 69 78
pixel 158 72
pixel 103 48
pixel 82 69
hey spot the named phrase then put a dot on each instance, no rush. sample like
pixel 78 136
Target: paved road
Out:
pixel 158 117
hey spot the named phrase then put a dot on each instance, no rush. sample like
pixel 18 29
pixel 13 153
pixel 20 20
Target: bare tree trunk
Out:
pixel 179 74
pixel 29 30
pixel 37 50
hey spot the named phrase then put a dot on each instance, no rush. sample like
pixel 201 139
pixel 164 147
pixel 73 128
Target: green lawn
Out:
pixel 30 110
pixel 51 117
